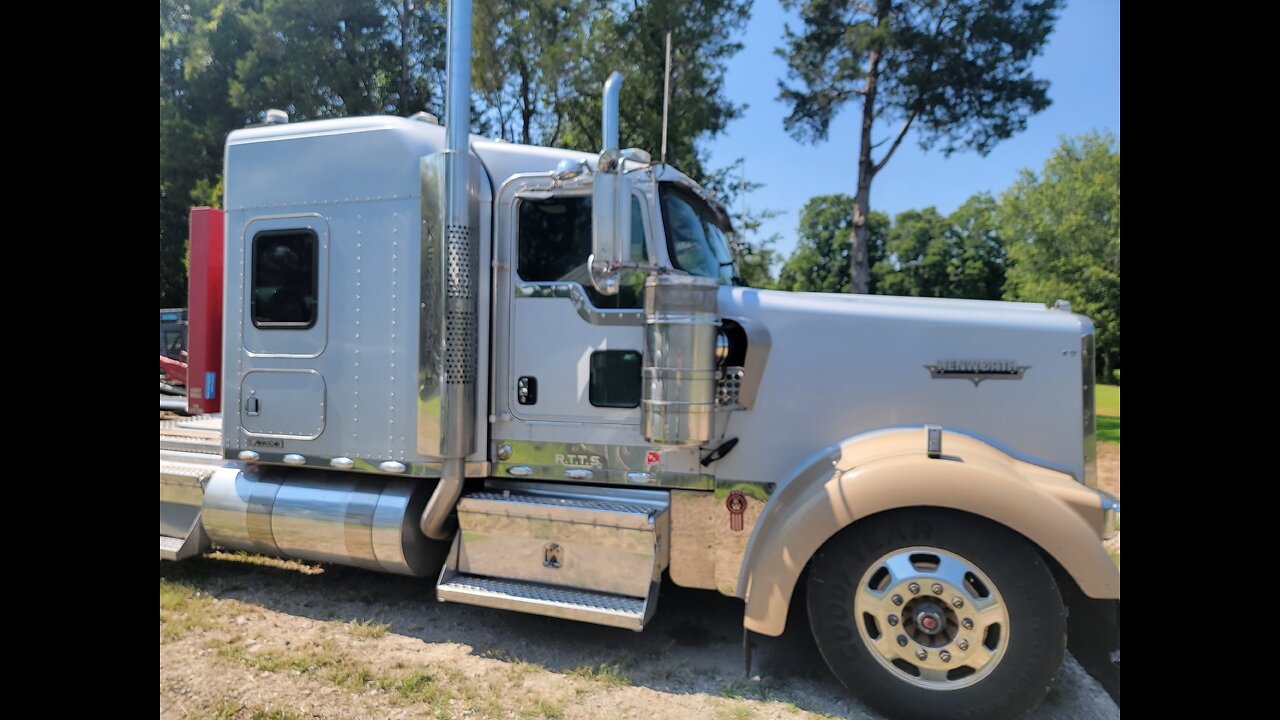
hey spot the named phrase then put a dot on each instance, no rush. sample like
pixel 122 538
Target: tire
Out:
pixel 874 606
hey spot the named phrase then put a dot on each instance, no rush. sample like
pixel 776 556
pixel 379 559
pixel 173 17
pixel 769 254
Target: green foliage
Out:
pixel 755 261
pixel 1063 228
pixel 314 60
pixel 539 67
pixel 755 256
pixel 523 91
pixel 631 37
pixel 200 42
pixel 958 71
pixel 820 262
pixel 959 256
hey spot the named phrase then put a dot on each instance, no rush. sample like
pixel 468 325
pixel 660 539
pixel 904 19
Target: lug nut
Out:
pixel 963 645
pixel 914 588
pixel 967 623
pixel 893 621
pixel 937 588
pixel 902 640
pixel 957 602
pixel 921 654
pixel 945 656
pixel 897 599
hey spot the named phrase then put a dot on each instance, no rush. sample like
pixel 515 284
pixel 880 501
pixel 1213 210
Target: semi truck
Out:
pixel 527 376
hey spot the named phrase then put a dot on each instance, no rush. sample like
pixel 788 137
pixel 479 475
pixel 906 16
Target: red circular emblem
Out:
pixel 736 502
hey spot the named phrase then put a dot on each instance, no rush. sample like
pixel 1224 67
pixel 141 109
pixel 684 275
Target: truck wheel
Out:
pixel 927 613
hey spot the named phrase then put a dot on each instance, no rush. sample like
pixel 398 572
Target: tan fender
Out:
pixel 890 469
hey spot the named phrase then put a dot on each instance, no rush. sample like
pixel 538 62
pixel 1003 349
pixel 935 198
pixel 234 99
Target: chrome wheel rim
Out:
pixel 931 618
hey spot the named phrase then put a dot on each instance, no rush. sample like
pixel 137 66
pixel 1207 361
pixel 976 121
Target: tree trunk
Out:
pixel 526 105
pixel 859 272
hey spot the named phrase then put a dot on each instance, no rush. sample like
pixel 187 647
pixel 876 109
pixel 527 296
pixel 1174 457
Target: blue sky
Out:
pixel 1081 62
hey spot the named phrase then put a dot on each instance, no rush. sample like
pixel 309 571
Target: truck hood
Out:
pixel 841 365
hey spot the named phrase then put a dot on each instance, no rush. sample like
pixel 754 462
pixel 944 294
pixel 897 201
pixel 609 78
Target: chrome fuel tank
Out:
pixel 367 521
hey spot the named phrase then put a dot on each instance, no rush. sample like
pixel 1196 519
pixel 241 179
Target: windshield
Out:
pixel 696 235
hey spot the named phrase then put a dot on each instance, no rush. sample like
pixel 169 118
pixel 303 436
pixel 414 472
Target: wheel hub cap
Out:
pixel 930 621
pixel 971 635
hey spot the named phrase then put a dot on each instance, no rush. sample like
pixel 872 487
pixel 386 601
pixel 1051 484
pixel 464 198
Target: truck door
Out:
pixel 572 356
pixel 284 321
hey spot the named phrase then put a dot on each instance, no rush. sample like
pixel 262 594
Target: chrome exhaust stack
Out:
pixel 450 332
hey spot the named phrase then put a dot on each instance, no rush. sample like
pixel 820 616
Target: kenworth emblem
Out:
pixel 977 370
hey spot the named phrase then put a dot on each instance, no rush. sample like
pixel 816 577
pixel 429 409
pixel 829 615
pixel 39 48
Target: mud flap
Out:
pixel 1093 637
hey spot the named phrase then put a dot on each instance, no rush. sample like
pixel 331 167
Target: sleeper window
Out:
pixel 284 279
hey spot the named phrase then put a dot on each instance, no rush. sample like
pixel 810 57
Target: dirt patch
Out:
pixel 1109 468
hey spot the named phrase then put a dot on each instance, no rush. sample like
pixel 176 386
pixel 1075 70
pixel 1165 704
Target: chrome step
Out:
pixel 181 503
pixel 173 548
pixel 191 441
pixel 538 599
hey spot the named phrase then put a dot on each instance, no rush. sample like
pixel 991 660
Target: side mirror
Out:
pixel 610 202
pixel 610 224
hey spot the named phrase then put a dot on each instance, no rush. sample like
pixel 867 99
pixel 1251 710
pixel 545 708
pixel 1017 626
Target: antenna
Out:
pixel 666 98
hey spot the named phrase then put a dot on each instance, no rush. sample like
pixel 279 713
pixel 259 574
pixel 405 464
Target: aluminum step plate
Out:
pixel 169 547
pixel 565 501
pixel 538 599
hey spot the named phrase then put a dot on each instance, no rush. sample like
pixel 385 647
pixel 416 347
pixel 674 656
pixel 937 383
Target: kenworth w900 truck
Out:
pixel 526 375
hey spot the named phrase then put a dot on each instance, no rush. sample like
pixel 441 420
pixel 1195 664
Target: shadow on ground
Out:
pixel 693 645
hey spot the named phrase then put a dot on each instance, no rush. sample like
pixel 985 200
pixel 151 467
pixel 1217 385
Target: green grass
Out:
pixel 1109 430
pixel 328 664
pixel 237 711
pixel 1107 399
pixel 611 675
pixel 275 715
pixel 185 608
pixel 367 629
pixel 1107 402
pixel 735 712
pixel 543 709
pixel 419 687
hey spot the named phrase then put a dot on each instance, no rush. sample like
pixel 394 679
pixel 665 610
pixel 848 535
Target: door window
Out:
pixel 555 242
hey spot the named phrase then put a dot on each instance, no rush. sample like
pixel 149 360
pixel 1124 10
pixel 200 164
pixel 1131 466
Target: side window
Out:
pixel 285 279
pixel 555 241
pixel 615 379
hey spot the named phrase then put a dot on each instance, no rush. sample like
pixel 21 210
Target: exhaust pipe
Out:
pixel 458 398
pixel 609 123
